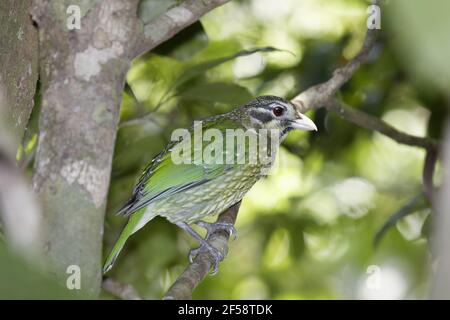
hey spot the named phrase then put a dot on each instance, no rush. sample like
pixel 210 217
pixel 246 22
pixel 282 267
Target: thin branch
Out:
pixel 120 290
pixel 171 22
pixel 367 121
pixel 407 209
pixel 185 284
pixel 315 96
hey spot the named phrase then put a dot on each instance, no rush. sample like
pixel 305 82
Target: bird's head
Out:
pixel 271 112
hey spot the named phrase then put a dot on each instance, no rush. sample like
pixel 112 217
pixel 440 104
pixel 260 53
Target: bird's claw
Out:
pixel 215 253
pixel 213 227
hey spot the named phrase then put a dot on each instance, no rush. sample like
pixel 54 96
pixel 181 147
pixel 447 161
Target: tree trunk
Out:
pixel 82 74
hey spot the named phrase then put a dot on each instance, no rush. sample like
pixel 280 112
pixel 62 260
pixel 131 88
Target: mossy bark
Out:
pixel 18 63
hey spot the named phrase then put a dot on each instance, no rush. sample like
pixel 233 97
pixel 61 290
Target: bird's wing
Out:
pixel 164 177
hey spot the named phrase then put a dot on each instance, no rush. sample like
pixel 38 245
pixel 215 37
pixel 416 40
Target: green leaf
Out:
pixel 22 280
pixel 201 68
pixel 220 92
pixel 423 40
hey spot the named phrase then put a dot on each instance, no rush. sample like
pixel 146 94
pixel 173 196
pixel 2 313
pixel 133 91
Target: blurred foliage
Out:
pixel 23 280
pixel 427 24
pixel 307 230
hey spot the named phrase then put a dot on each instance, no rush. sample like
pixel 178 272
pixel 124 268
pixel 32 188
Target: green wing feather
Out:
pixel 163 178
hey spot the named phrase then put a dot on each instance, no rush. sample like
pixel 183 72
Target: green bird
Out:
pixel 187 191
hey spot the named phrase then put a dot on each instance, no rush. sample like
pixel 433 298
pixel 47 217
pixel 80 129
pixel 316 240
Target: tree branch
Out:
pixel 120 290
pixel 196 271
pixel 367 121
pixel 316 96
pixel 175 19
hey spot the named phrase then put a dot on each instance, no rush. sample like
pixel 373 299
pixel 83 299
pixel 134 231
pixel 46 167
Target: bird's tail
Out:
pixel 136 221
pixel 116 250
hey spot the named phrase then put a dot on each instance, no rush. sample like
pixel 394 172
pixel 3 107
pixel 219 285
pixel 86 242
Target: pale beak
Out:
pixel 303 123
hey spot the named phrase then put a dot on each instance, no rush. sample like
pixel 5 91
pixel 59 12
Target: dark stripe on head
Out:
pixel 261 115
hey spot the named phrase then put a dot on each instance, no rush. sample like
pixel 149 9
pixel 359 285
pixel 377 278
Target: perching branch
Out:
pixel 195 272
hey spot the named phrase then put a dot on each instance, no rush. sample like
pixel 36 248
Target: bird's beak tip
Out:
pixel 304 123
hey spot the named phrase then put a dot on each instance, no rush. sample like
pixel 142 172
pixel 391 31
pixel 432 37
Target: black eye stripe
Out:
pixel 261 115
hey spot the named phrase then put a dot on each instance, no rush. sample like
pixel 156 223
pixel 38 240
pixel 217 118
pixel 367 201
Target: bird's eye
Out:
pixel 278 111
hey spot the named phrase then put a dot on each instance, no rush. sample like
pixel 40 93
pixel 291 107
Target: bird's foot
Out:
pixel 213 227
pixel 215 253
pixel 205 247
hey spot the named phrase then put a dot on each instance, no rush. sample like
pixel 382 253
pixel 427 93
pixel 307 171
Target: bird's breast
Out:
pixel 210 198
